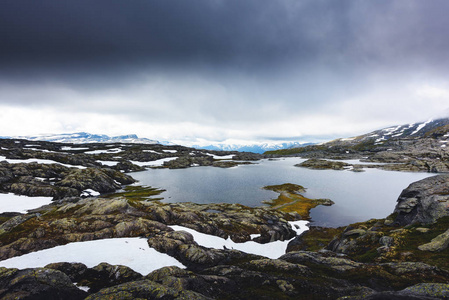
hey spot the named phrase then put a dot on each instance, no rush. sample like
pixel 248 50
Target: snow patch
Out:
pixel 271 250
pixel 66 148
pixel 15 203
pixel 90 193
pixel 39 161
pixel 83 288
pixel 254 236
pixel 110 163
pixel 115 150
pixel 221 157
pixel 421 126
pixel 170 151
pixel 151 151
pixel 154 163
pixel 131 252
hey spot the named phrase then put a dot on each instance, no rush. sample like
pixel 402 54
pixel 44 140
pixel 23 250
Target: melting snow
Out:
pixel 39 161
pixel 90 193
pixel 170 151
pixel 151 151
pixel 270 250
pixel 221 157
pixel 132 252
pixel 154 163
pixel 65 148
pixel 15 203
pixel 421 126
pixel 110 163
pixel 115 150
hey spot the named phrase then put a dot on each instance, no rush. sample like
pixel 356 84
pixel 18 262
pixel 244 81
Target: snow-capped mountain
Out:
pixel 414 130
pixel 84 137
pixel 255 148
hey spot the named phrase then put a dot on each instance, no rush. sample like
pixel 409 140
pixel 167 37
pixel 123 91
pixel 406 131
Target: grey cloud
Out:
pixel 251 33
pixel 220 63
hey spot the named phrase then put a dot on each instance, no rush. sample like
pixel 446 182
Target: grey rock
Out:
pixel 386 241
pixel 328 259
pixel 38 284
pixel 423 201
pixel 144 289
pixel 437 244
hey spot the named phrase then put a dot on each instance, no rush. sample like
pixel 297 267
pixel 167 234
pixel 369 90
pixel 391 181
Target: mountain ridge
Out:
pixel 84 137
pixel 255 147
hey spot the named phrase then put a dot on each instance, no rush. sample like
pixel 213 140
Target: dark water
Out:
pixel 357 196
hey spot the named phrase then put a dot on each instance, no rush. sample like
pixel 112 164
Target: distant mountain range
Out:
pixel 255 148
pixel 383 137
pixel 84 138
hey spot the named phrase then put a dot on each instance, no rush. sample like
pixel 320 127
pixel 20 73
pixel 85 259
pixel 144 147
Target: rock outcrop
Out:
pixel 424 201
pixel 37 283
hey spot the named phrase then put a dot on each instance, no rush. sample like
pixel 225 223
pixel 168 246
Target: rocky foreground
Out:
pixel 404 256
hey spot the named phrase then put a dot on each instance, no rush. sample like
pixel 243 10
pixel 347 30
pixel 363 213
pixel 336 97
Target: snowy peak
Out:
pixel 415 130
pixel 84 137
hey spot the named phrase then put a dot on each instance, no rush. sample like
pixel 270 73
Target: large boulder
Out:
pixel 423 201
pixel 40 283
pixel 144 289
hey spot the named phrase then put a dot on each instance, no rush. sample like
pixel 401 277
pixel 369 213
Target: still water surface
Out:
pixel 357 196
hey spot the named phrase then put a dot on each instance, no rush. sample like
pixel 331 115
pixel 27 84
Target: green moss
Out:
pixel 316 238
pixel 138 193
pixel 413 238
pixel 4 219
pixel 290 200
pixel 368 256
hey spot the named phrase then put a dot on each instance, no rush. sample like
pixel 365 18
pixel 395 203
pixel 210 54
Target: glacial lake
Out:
pixel 358 196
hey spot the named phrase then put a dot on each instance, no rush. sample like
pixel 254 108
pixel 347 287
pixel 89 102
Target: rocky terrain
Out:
pixel 419 147
pixel 62 170
pixel 404 256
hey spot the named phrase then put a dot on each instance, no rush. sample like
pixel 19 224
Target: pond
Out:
pixel 358 196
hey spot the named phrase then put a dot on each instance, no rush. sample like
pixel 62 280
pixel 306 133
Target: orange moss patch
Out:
pixel 290 200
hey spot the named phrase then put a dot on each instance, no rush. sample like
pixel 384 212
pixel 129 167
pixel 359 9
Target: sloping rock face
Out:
pixel 37 284
pixel 424 201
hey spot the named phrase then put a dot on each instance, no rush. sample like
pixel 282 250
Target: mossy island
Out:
pixel 291 200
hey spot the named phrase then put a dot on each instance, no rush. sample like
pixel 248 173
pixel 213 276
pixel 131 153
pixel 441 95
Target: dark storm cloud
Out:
pixel 244 33
pixel 254 68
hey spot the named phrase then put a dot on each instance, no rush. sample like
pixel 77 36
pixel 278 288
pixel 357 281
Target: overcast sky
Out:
pixel 221 70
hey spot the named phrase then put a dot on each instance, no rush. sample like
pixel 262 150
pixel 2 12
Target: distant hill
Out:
pixel 435 133
pixel 255 148
pixel 84 137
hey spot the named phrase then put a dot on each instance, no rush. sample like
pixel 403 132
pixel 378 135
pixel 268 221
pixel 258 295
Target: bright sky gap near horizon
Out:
pixel 201 71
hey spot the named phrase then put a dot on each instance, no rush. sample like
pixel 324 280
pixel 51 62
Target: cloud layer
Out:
pixel 217 70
